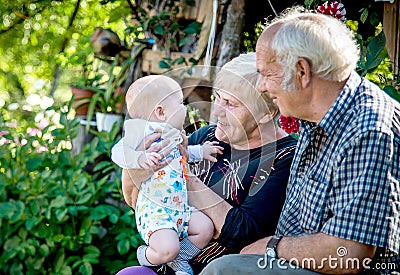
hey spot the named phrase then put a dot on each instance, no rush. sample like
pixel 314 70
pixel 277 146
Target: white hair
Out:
pixel 324 41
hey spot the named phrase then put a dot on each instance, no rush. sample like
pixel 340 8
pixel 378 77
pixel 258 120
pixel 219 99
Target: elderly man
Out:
pixel 341 214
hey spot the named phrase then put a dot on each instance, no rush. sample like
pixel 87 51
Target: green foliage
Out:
pixel 372 55
pixel 60 213
pixel 168 63
pixel 33 33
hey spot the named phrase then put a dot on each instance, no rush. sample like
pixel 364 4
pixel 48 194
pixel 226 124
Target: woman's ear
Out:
pixel 303 72
pixel 159 113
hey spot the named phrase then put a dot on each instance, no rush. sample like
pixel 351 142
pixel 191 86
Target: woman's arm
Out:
pixel 206 200
pixel 131 181
pixel 258 215
pixel 255 218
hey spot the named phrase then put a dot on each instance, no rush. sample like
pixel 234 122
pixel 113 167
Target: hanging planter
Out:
pixel 81 100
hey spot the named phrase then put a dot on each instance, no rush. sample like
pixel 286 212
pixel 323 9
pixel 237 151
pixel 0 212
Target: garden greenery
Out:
pixel 60 213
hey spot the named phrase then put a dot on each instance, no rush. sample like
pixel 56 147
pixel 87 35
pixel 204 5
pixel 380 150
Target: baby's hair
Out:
pixel 146 93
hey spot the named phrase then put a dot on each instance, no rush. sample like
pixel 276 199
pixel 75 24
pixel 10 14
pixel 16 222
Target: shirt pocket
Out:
pixel 312 204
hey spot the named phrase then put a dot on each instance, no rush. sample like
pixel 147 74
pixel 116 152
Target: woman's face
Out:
pixel 236 125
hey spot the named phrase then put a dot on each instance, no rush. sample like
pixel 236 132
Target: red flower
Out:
pixel 334 9
pixel 289 124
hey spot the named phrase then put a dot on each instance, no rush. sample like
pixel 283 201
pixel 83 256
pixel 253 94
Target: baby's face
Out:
pixel 175 110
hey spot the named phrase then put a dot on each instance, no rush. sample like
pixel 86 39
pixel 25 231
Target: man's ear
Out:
pixel 266 118
pixel 303 74
pixel 159 113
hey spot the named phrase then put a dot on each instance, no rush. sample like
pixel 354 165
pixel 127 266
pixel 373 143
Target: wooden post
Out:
pixel 391 24
pixel 232 31
pixel 82 138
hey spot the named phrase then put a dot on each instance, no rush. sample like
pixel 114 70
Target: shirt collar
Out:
pixel 341 105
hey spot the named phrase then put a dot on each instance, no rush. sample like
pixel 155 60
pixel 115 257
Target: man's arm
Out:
pixel 319 252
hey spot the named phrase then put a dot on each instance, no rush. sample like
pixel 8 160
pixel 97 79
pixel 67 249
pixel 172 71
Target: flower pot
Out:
pixel 106 121
pixel 81 100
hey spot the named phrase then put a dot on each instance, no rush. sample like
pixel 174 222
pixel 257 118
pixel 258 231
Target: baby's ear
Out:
pixel 159 112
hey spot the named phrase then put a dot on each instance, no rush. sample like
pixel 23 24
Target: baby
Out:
pixel 163 215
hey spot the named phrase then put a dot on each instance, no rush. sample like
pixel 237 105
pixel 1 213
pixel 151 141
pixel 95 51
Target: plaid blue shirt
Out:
pixel 345 177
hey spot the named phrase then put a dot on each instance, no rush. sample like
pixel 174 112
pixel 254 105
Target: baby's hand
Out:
pixel 150 161
pixel 210 149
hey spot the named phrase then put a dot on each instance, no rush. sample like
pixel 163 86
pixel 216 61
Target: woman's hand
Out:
pixel 133 178
pixel 153 157
pixel 184 145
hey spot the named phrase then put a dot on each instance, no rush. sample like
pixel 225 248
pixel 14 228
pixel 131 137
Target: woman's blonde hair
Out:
pixel 239 77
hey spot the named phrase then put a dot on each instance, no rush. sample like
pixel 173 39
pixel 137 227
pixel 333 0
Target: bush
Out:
pixel 57 216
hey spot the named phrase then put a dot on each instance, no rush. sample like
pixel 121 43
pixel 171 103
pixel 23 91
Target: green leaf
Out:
pixel 22 233
pixel 113 218
pixel 35 208
pixel 10 254
pixel 59 262
pixel 308 3
pixel 184 41
pixel 193 28
pixel 84 198
pixel 159 29
pixel 91 249
pixel 86 268
pixel 101 165
pixel 92 254
pixel 7 209
pixel 33 164
pixel 32 222
pixel 17 215
pixel 12 243
pixel 30 250
pixel 391 91
pixel 16 268
pixel 180 60
pixel 375 47
pixel 58 202
pixel 91 258
pixel 58 238
pixel 370 66
pixel 44 250
pixel 163 65
pixel 61 214
pixel 74 210
pixel 99 212
pixel 364 15
pixel 123 246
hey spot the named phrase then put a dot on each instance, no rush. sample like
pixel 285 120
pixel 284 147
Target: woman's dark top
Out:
pixel 253 182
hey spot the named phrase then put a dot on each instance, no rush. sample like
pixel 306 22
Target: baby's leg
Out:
pixel 201 229
pixel 163 246
pixel 200 232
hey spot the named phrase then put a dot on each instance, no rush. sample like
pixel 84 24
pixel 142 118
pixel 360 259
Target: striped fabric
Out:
pixel 345 177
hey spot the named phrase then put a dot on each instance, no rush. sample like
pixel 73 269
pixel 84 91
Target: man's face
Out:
pixel 272 75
